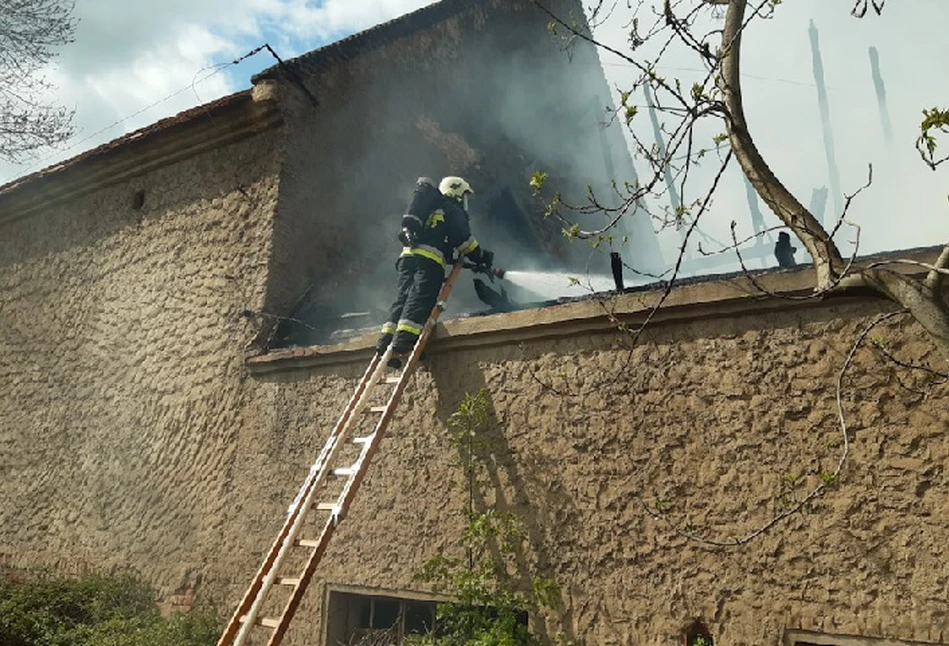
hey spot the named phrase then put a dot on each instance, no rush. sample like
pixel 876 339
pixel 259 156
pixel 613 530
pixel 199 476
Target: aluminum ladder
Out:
pixel 300 556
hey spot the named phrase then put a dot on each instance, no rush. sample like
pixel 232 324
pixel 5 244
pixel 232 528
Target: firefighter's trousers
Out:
pixel 420 280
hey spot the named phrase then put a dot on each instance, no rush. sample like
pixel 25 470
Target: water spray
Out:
pixel 549 285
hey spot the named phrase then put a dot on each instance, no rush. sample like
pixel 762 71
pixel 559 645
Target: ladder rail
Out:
pixel 234 626
pixel 364 391
pixel 349 492
pixel 368 451
pixel 245 617
pixel 357 404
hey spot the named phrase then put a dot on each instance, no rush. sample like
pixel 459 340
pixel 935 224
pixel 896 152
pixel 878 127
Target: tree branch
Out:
pixel 827 259
pixel 915 296
pixel 936 278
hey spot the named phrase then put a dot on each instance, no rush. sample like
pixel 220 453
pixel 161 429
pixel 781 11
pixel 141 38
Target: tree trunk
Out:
pixel 923 299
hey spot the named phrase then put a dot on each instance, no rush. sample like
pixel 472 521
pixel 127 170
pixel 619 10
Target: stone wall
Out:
pixel 121 355
pixel 133 433
pixel 712 426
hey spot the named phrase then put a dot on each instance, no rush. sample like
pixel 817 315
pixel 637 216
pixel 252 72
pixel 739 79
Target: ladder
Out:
pixel 300 556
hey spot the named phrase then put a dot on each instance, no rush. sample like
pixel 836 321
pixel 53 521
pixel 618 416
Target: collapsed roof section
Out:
pixel 478 88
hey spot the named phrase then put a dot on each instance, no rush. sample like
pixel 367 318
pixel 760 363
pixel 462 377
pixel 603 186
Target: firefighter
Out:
pixel 434 228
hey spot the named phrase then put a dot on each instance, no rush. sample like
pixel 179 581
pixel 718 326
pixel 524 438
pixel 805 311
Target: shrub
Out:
pixel 96 610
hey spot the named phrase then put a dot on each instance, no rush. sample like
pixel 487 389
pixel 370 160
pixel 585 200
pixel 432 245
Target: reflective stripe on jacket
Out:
pixel 444 231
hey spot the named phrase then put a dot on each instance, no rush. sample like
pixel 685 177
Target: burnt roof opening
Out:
pixel 321 318
pixel 495 102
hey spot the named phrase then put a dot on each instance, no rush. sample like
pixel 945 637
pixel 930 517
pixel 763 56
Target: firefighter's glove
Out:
pixel 484 264
pixel 408 237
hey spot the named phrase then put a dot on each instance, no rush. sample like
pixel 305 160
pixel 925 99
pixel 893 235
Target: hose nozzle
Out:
pixel 490 272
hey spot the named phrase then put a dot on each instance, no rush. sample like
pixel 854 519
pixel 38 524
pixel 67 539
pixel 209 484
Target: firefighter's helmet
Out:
pixel 455 188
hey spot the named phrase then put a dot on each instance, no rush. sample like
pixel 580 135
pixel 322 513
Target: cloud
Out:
pixel 133 63
pixel 336 17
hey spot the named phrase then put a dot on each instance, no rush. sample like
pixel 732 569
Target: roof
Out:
pixel 142 133
pixel 382 34
pixel 316 60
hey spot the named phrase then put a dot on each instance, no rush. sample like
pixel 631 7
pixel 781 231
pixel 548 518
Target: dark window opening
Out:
pixel 363 620
pixel 367 620
pixel 698 635
pixel 138 200
pixel 419 618
pixel 386 613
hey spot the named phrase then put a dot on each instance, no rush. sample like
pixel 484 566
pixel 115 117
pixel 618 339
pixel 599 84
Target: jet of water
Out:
pixel 550 285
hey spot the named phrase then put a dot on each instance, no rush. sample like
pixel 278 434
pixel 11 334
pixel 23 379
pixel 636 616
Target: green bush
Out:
pixel 96 610
pixel 492 593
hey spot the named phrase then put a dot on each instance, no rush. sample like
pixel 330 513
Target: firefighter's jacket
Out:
pixel 441 227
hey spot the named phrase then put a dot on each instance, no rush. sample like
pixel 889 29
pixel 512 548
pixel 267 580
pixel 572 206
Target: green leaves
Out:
pixel 698 93
pixel 537 181
pixel 828 479
pixel 490 594
pixel 93 611
pixel 935 121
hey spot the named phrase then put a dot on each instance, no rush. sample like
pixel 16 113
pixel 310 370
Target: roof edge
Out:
pixel 371 38
pixel 169 140
pixel 713 296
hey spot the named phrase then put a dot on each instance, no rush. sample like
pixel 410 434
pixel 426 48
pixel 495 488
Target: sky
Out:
pixel 906 206
pixel 135 63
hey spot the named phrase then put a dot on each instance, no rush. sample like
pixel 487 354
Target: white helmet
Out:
pixel 457 189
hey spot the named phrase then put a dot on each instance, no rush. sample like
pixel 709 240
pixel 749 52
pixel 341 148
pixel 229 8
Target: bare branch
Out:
pixel 30 32
pixel 933 269
pixel 904 290
pixel 826 479
pixel 860 7
pixel 939 377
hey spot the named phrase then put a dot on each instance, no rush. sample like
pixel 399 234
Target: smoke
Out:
pixel 497 99
pixel 506 101
pixel 781 100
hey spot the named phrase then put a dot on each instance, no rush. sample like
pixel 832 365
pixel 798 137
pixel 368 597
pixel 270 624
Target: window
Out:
pixel 805 638
pixel 361 618
pixel 697 635
pixel 375 620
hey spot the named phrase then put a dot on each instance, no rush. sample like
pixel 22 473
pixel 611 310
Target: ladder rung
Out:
pixel 344 433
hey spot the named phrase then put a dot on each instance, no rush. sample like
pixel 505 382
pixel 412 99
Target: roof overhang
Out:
pixel 695 299
pixel 185 135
